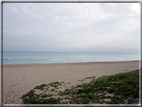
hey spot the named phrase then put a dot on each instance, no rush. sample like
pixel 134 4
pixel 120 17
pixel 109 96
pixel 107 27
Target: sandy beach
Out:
pixel 19 79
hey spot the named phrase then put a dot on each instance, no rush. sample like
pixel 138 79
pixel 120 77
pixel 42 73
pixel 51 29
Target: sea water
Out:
pixel 48 57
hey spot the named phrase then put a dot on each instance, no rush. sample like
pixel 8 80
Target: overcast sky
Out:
pixel 72 27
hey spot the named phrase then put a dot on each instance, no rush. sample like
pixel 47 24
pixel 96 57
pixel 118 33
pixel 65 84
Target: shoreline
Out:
pixel 20 79
pixel 72 62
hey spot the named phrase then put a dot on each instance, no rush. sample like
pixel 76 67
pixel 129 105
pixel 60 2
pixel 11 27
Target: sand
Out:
pixel 20 79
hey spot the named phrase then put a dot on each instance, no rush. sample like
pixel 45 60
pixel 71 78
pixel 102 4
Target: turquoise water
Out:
pixel 45 58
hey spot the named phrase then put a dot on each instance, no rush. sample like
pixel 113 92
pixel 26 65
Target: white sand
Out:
pixel 20 79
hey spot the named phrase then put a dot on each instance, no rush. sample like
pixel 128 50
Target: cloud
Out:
pixel 88 27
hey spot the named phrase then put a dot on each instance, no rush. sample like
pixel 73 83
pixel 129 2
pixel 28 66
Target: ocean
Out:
pixel 48 57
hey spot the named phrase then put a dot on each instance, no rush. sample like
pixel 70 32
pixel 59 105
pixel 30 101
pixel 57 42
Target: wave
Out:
pixel 16 58
pixel 9 58
pixel 84 61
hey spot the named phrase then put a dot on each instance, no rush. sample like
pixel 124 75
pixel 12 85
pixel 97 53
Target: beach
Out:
pixel 19 79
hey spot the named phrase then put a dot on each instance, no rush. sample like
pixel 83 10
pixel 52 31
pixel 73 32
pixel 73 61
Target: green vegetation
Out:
pixel 114 89
pixel 41 86
pixel 88 78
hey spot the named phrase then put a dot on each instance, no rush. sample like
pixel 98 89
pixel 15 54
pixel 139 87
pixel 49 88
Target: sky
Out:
pixel 72 27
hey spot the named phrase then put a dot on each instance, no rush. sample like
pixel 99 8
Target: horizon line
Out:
pixel 67 52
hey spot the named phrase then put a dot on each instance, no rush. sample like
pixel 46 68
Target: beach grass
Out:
pixel 120 88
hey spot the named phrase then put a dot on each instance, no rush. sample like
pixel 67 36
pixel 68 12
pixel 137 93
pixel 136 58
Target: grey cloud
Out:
pixel 71 27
